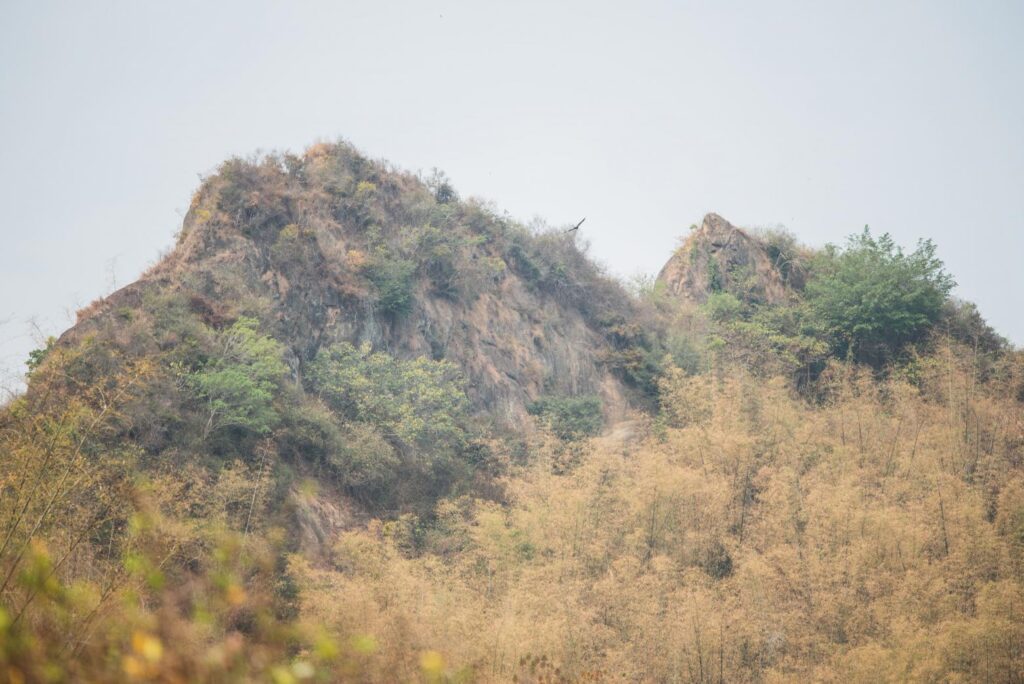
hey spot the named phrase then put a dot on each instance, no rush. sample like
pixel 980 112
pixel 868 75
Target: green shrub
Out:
pixel 419 403
pixel 722 307
pixel 393 278
pixel 522 263
pixel 404 436
pixel 355 455
pixel 439 253
pixel 963 322
pixel 446 258
pixel 441 188
pixel 634 355
pixel 37 356
pixel 685 351
pixel 873 300
pixel 569 418
pixel 367 462
pixel 715 278
pixel 239 380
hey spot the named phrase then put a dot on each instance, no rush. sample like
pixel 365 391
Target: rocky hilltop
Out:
pixel 718 256
pixel 330 246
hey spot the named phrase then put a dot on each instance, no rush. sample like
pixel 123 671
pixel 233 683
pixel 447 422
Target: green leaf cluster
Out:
pixel 416 403
pixel 393 278
pixel 873 300
pixel 401 437
pixel 238 382
pixel 570 418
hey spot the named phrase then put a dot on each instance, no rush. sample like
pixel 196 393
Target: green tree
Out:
pixel 403 436
pixel 417 404
pixel 37 356
pixel 238 381
pixel 873 300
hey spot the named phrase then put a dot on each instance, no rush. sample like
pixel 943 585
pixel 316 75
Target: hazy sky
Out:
pixel 642 116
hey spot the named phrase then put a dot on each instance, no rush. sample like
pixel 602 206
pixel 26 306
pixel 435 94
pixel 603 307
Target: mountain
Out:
pixel 330 246
pixel 354 427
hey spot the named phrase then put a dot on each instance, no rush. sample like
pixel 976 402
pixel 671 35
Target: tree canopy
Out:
pixel 417 403
pixel 873 299
pixel 238 382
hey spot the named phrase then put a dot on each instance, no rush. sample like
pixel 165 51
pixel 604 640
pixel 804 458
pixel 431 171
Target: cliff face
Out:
pixel 329 246
pixel 718 256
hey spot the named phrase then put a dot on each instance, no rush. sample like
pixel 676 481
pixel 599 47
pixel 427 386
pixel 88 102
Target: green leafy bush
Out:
pixel 522 262
pixel 239 380
pixel 441 188
pixel 37 356
pixel 446 256
pixel 634 356
pixel 776 339
pixel 963 322
pixel 716 281
pixel 403 435
pixel 873 300
pixel 418 403
pixel 570 417
pixel 393 278
pixel 722 307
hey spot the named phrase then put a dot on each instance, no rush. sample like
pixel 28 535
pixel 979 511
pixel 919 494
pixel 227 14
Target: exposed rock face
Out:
pixel 718 256
pixel 290 245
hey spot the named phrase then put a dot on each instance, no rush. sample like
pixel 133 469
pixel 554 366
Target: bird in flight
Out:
pixel 577 226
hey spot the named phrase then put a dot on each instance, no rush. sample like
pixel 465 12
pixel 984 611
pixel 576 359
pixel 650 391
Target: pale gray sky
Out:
pixel 642 116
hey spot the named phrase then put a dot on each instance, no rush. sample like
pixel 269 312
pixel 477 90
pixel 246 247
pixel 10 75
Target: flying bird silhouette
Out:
pixel 577 226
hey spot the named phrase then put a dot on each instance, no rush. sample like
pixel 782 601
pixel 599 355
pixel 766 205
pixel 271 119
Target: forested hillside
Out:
pixel 354 427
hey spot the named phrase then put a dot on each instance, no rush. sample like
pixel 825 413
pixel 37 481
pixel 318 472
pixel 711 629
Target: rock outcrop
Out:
pixel 315 245
pixel 719 257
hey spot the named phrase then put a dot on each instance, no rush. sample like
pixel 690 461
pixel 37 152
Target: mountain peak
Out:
pixel 329 246
pixel 719 257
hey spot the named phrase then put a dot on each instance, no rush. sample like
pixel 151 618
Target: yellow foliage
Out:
pixel 762 539
pixel 357 259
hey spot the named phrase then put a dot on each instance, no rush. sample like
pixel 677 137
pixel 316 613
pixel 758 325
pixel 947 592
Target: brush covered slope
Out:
pixel 354 428
pixel 330 247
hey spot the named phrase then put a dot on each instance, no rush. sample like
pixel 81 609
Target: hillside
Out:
pixel 356 428
pixel 331 247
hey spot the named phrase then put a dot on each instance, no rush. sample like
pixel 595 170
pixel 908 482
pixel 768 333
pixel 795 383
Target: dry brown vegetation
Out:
pixel 876 537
